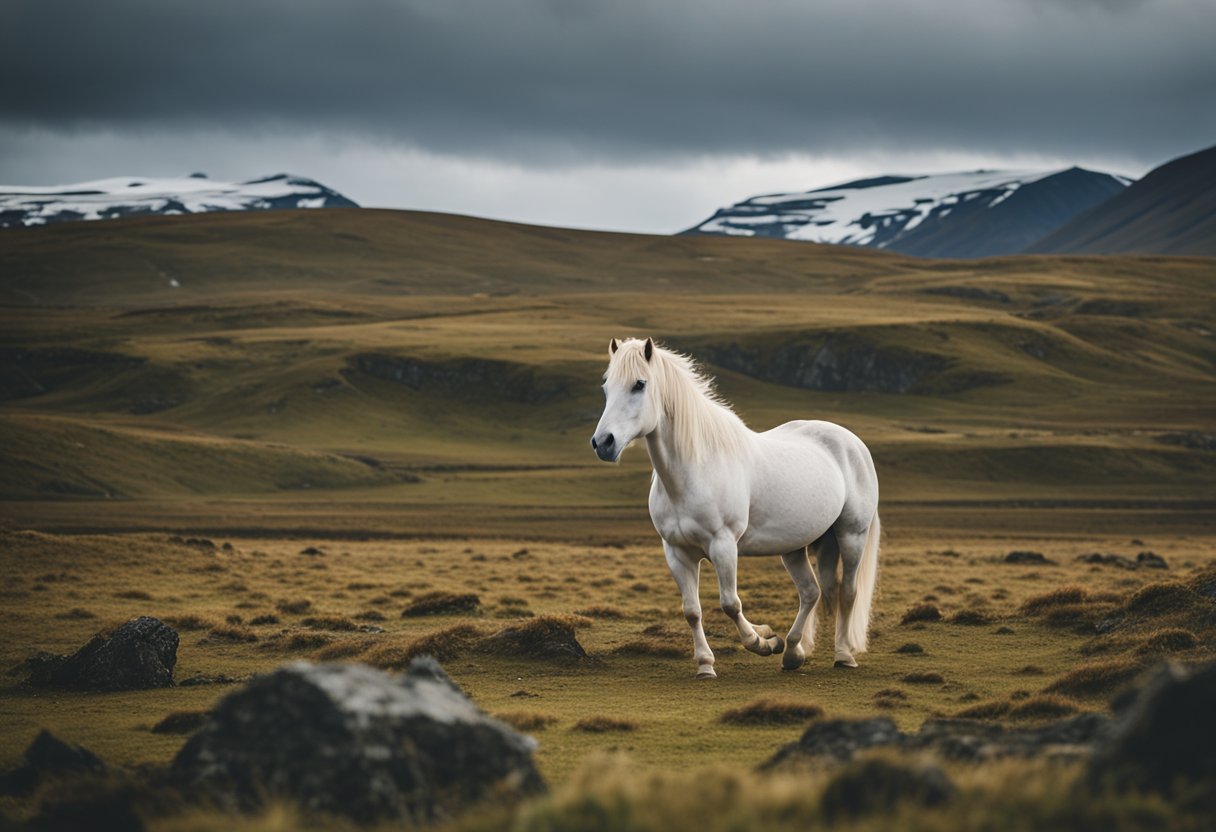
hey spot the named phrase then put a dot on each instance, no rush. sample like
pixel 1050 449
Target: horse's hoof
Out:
pixel 706 673
pixel 780 648
pixel 850 663
pixel 792 661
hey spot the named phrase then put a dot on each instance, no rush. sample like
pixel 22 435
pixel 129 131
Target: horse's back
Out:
pixel 837 442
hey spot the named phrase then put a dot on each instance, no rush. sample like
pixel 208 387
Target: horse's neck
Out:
pixel 673 466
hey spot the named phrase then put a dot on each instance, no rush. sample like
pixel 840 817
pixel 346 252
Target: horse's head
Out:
pixel 630 406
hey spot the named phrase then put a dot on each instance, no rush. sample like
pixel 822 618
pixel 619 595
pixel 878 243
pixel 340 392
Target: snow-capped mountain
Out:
pixel 974 214
pixel 128 196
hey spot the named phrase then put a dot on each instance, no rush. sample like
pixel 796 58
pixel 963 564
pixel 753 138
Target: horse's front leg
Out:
pixel 685 567
pixel 759 639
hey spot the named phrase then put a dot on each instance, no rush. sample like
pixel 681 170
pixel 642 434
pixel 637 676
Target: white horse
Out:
pixel 721 490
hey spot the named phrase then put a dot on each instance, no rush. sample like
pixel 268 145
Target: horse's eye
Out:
pixel 640 386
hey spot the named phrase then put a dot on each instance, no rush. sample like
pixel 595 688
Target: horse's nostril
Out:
pixel 609 441
pixel 593 445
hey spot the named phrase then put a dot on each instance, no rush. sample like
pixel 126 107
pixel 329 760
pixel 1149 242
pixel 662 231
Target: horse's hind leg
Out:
pixel 760 638
pixel 859 568
pixel 801 638
pixel 686 569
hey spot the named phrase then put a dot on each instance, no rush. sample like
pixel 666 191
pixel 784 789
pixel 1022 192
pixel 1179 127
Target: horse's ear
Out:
pixel 613 346
pixel 648 351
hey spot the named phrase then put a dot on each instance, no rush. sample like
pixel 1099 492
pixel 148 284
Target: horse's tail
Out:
pixel 867 581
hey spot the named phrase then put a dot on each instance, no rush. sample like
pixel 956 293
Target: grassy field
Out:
pixel 412 396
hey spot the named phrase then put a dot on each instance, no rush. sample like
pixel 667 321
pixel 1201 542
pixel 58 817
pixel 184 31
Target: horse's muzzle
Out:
pixel 605 448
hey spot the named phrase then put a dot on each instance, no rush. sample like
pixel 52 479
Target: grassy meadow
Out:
pixel 277 431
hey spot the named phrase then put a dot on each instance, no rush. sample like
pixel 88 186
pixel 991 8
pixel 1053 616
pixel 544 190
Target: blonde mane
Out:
pixel 701 421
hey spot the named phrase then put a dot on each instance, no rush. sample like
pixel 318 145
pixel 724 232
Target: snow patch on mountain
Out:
pixel 868 211
pixel 126 196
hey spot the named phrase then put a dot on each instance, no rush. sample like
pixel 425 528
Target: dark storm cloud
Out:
pixel 559 80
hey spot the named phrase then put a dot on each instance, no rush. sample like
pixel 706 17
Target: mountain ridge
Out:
pixel 979 213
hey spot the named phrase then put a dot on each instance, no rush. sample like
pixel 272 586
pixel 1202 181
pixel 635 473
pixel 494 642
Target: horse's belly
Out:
pixel 779 538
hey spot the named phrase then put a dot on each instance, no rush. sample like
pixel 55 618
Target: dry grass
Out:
pixel 230 633
pixel 659 648
pixel 926 677
pixel 1097 678
pixel 970 618
pixel 336 623
pixel 293 606
pixel 772 712
pixel 604 611
pixel 442 603
pixel 1063 596
pixel 921 612
pixel 527 720
pixel 604 724
pixel 1044 706
pixel 1169 640
pixel 188 622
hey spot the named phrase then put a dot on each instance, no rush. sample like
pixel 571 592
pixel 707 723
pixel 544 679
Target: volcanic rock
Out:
pixel 353 741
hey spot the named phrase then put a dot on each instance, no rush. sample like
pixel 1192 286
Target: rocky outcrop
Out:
pixel 844 362
pixel 352 741
pixel 138 655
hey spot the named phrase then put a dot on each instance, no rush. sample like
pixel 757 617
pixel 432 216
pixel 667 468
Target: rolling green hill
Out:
pixel 423 363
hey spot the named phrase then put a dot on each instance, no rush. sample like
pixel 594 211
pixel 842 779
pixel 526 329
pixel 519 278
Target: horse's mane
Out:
pixel 702 422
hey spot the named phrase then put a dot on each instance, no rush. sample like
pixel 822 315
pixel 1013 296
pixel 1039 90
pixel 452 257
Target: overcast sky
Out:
pixel 619 114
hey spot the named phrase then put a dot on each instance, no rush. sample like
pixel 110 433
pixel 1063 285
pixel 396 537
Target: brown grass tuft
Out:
pixel 543 637
pixel 910 648
pixel 188 622
pixel 1100 677
pixel 337 623
pixel 1159 599
pixel 75 614
pixel 654 647
pixel 1044 706
pixel 298 606
pixel 772 712
pixel 344 649
pixel 921 612
pixel 233 633
pixel 971 618
pixel 926 677
pixel 527 720
pixel 1071 594
pixel 444 645
pixel 263 620
pixel 442 603
pixel 604 611
pixel 1169 640
pixel 604 724
pixel 985 710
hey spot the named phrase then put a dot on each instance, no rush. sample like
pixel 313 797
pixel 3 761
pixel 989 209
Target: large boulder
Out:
pixel 1166 734
pixel 138 655
pixel 353 741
